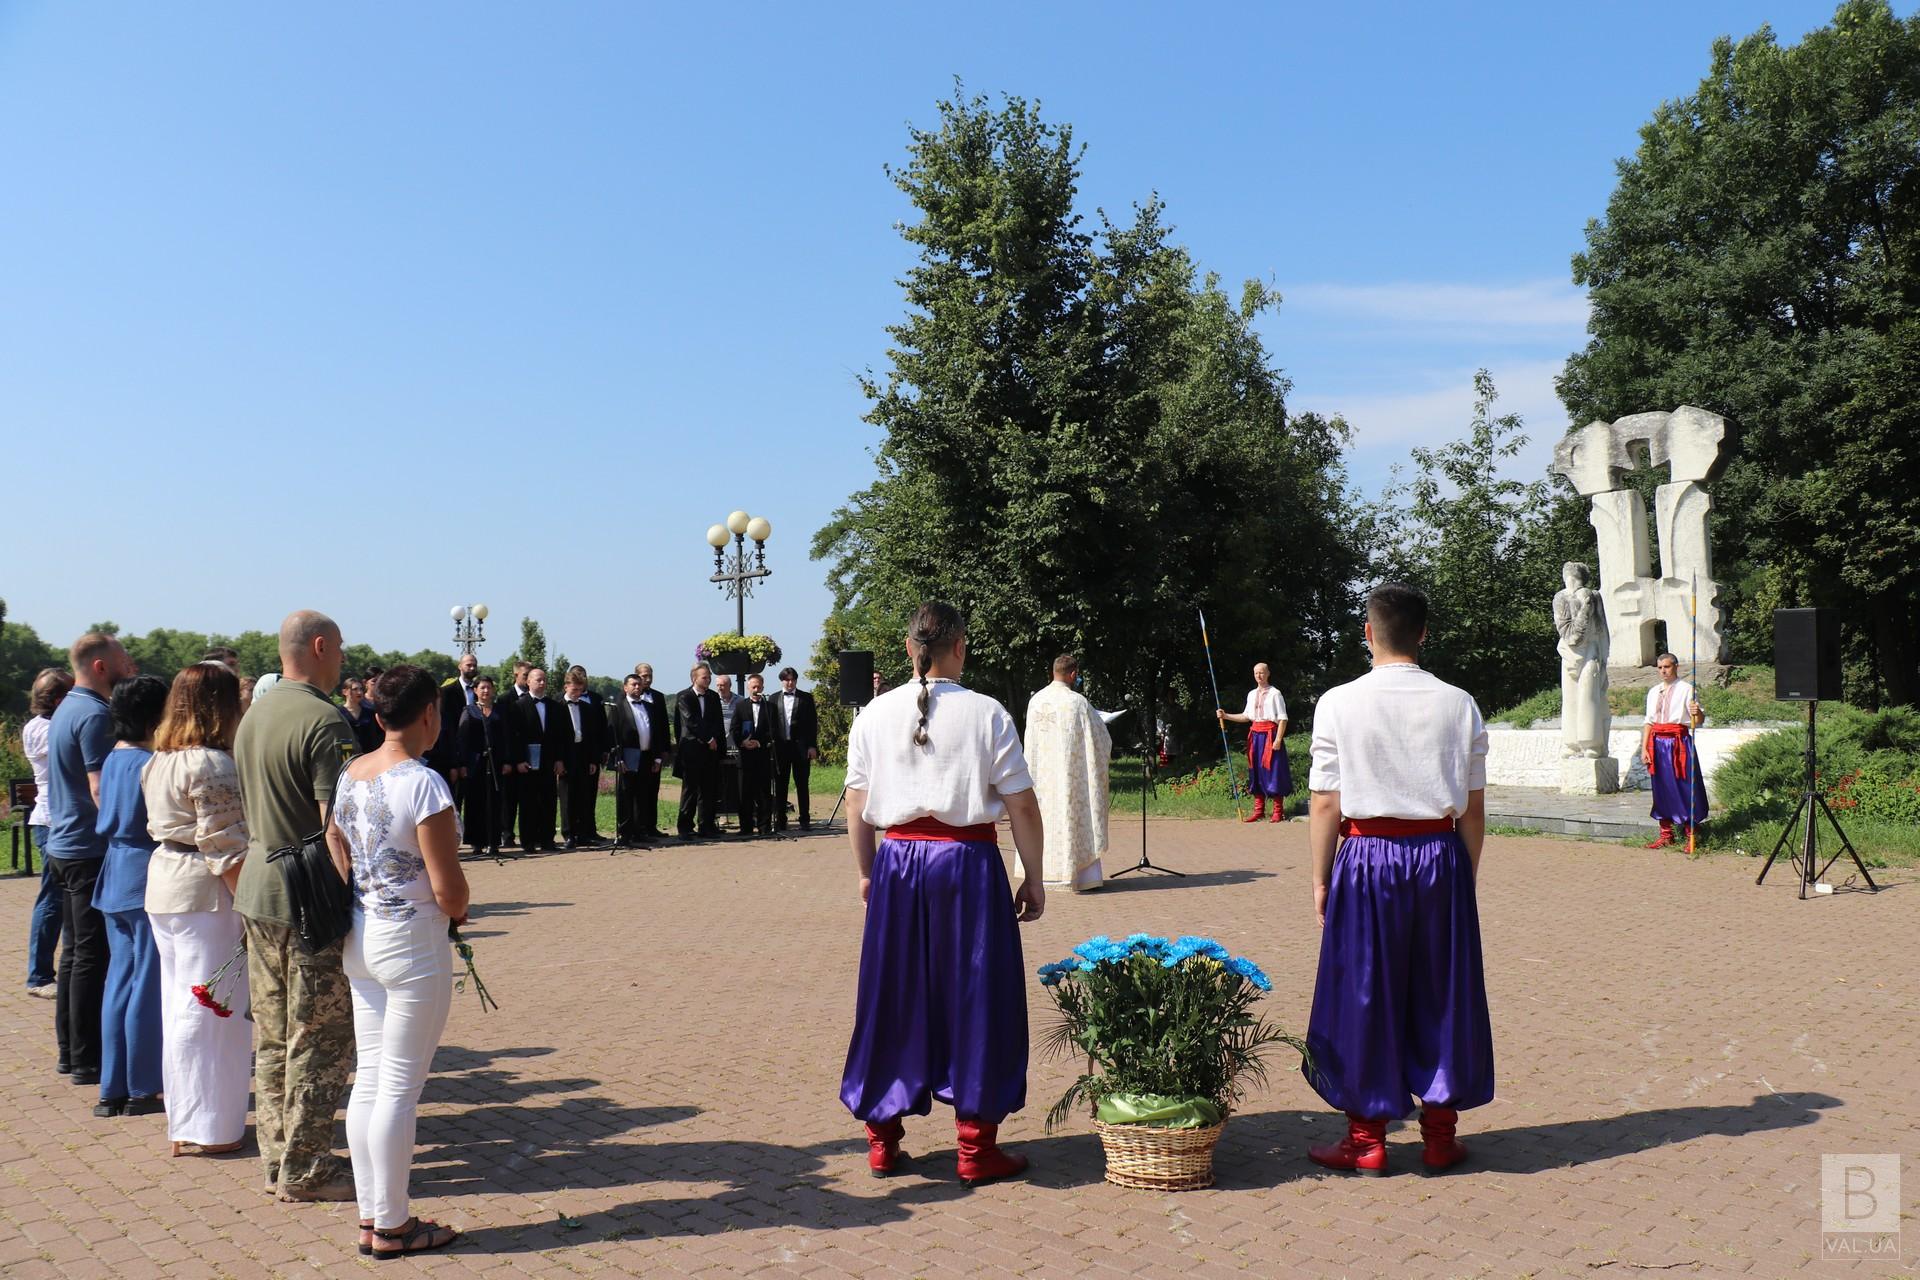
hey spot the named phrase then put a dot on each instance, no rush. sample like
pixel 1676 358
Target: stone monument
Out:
pixel 1595 460
pixel 1580 616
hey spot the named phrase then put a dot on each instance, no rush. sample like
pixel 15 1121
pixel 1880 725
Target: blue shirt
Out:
pixel 78 743
pixel 122 885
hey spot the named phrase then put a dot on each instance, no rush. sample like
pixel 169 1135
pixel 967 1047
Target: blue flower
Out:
pixel 1250 971
pixel 1093 947
pixel 1146 943
pixel 1050 974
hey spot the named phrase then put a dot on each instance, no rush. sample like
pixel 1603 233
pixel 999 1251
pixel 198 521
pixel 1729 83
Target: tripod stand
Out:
pixel 1146 784
pixel 1812 805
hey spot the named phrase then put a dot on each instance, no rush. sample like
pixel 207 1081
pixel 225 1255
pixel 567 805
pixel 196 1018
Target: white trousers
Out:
pixel 205 1060
pixel 402 978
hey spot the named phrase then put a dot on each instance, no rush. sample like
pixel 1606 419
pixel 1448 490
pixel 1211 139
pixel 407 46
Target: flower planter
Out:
pixel 1154 1158
pixel 735 664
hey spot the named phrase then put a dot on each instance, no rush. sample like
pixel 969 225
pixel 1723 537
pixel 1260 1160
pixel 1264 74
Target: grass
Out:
pixel 1746 695
pixel 13 832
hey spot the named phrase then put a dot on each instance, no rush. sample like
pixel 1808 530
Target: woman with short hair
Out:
pixel 130 1034
pixel 194 815
pixel 43 934
pixel 394 825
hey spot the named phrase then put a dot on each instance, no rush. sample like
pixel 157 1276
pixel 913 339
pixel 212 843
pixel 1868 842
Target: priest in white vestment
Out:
pixel 1067 750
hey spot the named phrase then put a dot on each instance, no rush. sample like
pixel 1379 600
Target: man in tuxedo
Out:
pixel 541 724
pixel 753 738
pixel 638 730
pixel 699 744
pixel 456 695
pixel 510 785
pixel 796 745
pixel 586 723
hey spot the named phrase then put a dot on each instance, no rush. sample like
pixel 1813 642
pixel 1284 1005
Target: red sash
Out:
pixel 1396 826
pixel 1681 735
pixel 931 828
pixel 1270 727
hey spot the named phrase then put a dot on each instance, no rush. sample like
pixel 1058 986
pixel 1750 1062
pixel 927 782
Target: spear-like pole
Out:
pixel 1233 786
pixel 1693 681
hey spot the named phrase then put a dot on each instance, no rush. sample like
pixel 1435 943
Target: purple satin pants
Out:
pixel 1274 779
pixel 942 1007
pixel 1400 1003
pixel 1669 792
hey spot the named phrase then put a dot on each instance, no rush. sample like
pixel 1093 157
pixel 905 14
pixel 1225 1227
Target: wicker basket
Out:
pixel 1159 1159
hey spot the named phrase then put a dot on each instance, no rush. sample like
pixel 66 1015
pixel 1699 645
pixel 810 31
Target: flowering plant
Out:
pixel 464 950
pixel 208 993
pixel 759 649
pixel 1167 1026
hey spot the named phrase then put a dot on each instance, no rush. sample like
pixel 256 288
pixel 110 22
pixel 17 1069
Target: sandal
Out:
pixel 366 1238
pixel 416 1235
pixel 205 1149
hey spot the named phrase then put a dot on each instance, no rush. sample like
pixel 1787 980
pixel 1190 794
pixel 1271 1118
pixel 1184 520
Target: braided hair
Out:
pixel 936 627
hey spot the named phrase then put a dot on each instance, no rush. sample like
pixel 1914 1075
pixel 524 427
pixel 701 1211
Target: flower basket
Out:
pixel 1156 1159
pixel 1171 1039
pixel 732 655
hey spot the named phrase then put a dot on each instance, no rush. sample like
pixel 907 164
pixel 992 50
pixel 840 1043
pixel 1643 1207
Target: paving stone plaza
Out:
pixel 1677 1049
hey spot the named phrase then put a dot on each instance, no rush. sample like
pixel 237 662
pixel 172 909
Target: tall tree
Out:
pixel 1760 257
pixel 1487 550
pixel 1085 440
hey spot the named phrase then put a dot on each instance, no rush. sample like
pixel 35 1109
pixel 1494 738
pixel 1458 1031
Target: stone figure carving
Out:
pixel 1595 460
pixel 1580 616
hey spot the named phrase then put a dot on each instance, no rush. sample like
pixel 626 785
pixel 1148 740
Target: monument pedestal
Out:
pixel 1596 777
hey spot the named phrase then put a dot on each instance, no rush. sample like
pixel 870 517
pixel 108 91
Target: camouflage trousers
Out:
pixel 303 1052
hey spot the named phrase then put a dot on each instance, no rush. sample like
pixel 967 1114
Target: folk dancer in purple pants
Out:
pixel 1400 1003
pixel 942 1005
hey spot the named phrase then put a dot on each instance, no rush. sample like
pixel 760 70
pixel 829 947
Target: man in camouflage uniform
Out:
pixel 289 752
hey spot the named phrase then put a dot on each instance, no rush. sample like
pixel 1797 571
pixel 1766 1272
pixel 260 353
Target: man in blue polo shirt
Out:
pixel 78 741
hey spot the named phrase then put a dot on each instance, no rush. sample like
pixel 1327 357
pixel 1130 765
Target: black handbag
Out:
pixel 322 902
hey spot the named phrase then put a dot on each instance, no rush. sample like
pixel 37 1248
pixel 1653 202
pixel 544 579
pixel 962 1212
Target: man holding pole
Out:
pixel 1673 767
pixel 1267 771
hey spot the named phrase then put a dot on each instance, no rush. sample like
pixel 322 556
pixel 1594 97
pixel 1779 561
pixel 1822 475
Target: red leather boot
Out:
pixel 981 1159
pixel 1666 835
pixel 1363 1150
pixel 1279 810
pixel 1259 810
pixel 884 1156
pixel 1442 1150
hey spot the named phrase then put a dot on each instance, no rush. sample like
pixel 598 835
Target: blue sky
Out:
pixel 375 309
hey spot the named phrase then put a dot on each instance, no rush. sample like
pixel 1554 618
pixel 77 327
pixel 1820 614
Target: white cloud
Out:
pixel 1546 309
pixel 1433 406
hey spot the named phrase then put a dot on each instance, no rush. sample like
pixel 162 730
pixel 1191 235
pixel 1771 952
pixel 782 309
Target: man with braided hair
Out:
pixel 942 1006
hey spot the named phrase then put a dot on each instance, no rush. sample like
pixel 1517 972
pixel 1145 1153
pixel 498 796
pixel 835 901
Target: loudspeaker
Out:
pixel 856 677
pixel 1806 655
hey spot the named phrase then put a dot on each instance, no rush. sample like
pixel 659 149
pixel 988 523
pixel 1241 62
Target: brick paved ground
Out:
pixel 1676 1048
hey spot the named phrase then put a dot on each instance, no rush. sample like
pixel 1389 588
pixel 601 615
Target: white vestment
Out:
pixel 1067 750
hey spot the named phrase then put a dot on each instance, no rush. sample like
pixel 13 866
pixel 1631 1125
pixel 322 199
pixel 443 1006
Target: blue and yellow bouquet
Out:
pixel 1167 1026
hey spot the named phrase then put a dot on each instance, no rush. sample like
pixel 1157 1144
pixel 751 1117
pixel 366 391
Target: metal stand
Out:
pixel 1811 807
pixel 1146 783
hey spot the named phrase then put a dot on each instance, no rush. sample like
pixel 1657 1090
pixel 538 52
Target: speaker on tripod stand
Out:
pixel 1806 668
pixel 853 685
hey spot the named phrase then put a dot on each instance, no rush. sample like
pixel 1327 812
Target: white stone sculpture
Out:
pixel 1580 616
pixel 1595 460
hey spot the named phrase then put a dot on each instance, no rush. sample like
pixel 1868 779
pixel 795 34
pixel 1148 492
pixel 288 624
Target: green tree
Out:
pixel 1487 550
pixel 23 655
pixel 1085 441
pixel 1760 257
pixel 533 648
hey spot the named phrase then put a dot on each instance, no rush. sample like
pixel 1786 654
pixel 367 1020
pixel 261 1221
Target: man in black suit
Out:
pixel 640 739
pixel 541 725
pixel 585 724
pixel 699 745
pixel 510 785
pixel 456 695
pixel 753 738
pixel 796 745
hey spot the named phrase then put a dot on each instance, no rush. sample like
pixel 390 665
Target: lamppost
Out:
pixel 469 626
pixel 735 574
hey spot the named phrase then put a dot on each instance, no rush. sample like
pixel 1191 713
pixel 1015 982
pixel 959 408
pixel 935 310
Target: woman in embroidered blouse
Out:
pixel 393 823
pixel 193 812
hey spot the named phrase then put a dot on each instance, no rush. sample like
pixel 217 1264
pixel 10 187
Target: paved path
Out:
pixel 657 1096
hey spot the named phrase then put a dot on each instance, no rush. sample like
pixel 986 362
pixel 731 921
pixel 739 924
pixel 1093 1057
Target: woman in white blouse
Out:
pixel 393 823
pixel 193 811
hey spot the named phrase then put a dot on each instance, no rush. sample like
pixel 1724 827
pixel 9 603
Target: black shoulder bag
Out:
pixel 322 901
